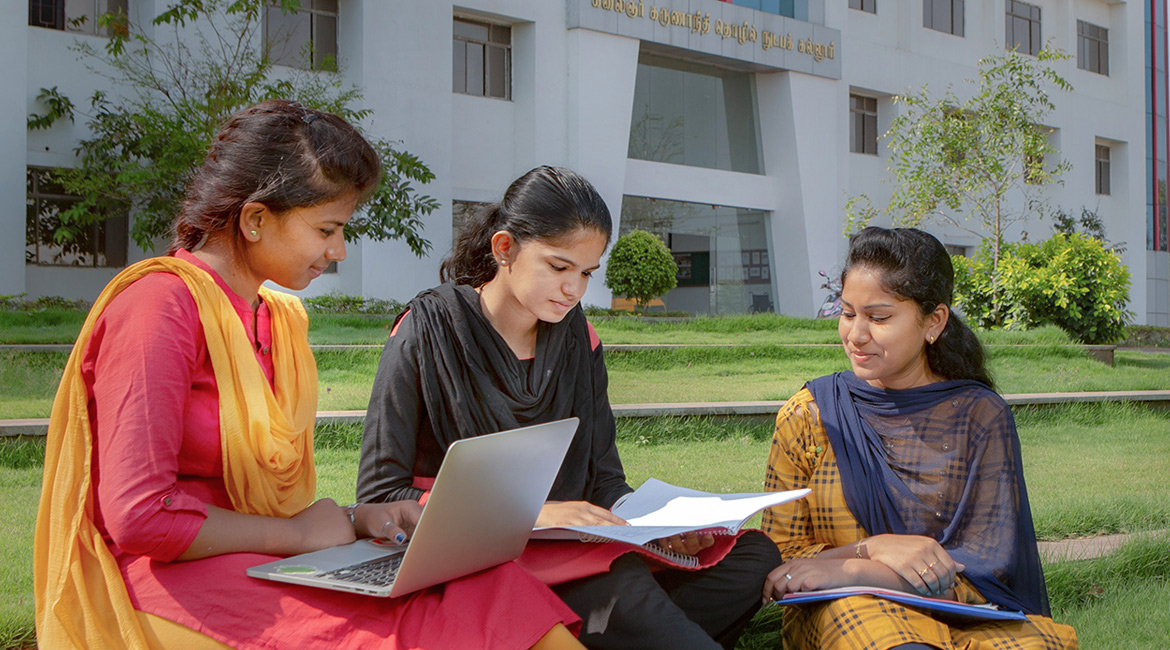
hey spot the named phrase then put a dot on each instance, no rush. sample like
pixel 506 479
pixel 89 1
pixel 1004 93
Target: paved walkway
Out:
pixel 1087 548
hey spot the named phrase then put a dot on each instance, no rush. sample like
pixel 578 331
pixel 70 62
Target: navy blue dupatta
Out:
pixel 941 460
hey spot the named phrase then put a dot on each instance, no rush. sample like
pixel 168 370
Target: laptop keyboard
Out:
pixel 379 571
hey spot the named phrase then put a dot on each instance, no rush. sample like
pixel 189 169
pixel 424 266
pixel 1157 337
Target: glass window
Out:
pixel 864 5
pixel 1022 29
pixel 724 260
pixel 482 57
pixel 863 135
pixel 692 114
pixel 461 213
pixel 1092 48
pixel 305 38
pixel 78 16
pixel 943 15
pixel 49 241
pixel 1102 171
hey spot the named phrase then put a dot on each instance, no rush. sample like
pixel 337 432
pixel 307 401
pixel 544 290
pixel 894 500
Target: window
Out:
pixel 863 135
pixel 50 242
pixel 1033 169
pixel 1102 170
pixel 1022 29
pixel 690 113
pixel 79 16
pixel 723 253
pixel 305 38
pixel 864 5
pixel 462 212
pixel 482 58
pixel 1092 48
pixel 943 15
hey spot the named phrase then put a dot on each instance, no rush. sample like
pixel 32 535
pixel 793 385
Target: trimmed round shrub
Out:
pixel 640 268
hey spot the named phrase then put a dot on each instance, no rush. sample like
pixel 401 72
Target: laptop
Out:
pixel 480 512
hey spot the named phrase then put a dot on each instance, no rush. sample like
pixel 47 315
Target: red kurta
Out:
pixel 154 410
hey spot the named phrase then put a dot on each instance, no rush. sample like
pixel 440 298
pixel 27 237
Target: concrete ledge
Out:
pixel 1161 398
pixel 68 347
pixel 26 427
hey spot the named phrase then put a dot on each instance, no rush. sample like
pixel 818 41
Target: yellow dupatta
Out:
pixel 267 444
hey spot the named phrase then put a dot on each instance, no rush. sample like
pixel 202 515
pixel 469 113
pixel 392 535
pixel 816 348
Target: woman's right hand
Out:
pixel 322 525
pixel 576 513
pixel 394 521
pixel 920 561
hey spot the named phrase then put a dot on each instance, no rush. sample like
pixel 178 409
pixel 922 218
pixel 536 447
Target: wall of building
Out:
pixel 14 36
pixel 574 68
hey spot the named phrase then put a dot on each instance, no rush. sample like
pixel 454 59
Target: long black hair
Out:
pixel 278 153
pixel 915 266
pixel 546 204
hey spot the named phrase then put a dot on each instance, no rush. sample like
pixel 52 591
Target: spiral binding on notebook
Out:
pixel 652 548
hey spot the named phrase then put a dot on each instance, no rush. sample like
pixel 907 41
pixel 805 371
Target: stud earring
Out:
pixel 253 233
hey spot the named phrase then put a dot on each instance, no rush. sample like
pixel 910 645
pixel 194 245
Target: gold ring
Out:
pixel 922 573
pixel 931 565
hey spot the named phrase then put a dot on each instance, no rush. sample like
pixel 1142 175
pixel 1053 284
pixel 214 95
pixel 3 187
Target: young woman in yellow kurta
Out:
pixel 914 465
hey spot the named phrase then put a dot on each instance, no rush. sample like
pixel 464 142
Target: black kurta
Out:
pixel 446 374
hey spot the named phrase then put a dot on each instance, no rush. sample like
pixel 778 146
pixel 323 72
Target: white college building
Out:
pixel 735 130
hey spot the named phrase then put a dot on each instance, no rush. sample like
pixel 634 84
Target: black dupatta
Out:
pixel 941 460
pixel 473 384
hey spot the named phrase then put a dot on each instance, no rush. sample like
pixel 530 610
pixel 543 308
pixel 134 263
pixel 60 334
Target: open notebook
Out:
pixel 658 509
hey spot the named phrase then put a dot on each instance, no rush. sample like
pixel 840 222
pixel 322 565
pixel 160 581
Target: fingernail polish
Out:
pixel 399 538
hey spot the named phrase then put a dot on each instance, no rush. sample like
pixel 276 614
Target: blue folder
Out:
pixel 944 608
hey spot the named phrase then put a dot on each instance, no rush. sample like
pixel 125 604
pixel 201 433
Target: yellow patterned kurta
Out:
pixel 801 457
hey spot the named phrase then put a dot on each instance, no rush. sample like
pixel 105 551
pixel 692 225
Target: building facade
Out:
pixel 736 130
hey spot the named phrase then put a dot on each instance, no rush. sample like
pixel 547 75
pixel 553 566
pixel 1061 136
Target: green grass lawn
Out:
pixel 28 380
pixel 1091 468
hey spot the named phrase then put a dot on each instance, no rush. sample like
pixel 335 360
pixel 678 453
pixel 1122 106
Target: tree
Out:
pixel 987 159
pixel 180 78
pixel 1090 224
pixel 640 268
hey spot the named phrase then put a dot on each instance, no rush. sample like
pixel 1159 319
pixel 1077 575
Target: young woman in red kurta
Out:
pixel 180 449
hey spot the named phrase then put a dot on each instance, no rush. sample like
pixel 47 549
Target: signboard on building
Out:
pixel 761 40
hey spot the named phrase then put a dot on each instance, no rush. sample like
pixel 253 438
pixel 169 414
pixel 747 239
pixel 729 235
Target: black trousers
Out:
pixel 632 607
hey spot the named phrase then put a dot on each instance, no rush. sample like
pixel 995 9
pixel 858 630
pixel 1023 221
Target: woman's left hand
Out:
pixel 920 561
pixel 687 543
pixel 806 574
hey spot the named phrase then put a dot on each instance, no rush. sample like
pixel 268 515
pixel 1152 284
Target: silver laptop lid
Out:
pixel 484 503
pixel 482 507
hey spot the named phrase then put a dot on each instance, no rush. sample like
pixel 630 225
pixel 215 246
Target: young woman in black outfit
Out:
pixel 504 343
